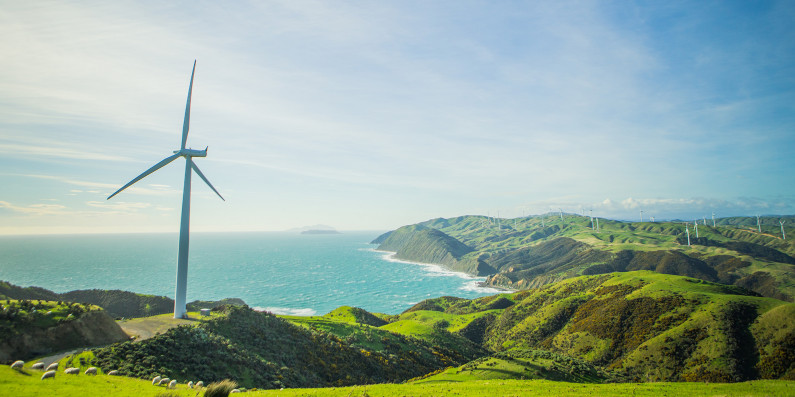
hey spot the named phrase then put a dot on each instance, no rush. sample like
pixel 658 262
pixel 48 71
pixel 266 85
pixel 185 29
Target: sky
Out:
pixel 370 115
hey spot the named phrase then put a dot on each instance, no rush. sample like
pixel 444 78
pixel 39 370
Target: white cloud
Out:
pixel 35 209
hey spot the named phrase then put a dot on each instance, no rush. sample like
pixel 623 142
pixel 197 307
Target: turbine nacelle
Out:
pixel 191 152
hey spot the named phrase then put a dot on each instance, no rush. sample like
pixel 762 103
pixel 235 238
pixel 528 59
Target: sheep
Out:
pixel 91 371
pixel 190 385
pixel 156 379
pixel 172 384
pixel 113 373
pixel 48 374
pixel 17 364
pixel 72 371
pixel 199 384
pixel 163 381
pixel 52 367
pixel 234 391
pixel 39 365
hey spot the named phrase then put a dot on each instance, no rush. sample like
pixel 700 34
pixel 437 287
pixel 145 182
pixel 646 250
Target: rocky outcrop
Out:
pixel 94 328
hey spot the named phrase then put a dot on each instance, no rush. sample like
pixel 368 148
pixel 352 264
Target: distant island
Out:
pixel 320 231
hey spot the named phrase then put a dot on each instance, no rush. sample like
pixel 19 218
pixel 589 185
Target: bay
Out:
pixel 284 273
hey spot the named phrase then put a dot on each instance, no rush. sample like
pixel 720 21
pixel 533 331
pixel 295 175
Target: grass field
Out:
pixel 27 383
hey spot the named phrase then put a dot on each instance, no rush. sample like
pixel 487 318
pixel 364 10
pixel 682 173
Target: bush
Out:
pixel 220 389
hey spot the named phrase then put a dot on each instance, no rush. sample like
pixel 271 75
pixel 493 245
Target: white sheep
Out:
pixel 72 371
pixel 234 391
pixel 164 381
pixel 190 385
pixel 17 364
pixel 199 384
pixel 39 365
pixel 48 374
pixel 172 384
pixel 52 367
pixel 156 380
pixel 91 371
pixel 113 373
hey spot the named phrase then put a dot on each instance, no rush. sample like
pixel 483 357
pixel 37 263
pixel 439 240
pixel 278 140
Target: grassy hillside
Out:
pixel 26 383
pixel 261 350
pixel 641 325
pixel 534 251
pixel 30 328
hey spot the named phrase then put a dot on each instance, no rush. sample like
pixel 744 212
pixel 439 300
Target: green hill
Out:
pixel 37 327
pixel 261 350
pixel 641 325
pixel 534 251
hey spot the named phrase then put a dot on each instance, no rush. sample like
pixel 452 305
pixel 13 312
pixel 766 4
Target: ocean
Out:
pixel 285 273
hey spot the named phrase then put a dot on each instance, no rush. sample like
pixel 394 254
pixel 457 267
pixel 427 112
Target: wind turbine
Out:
pixel 783 235
pixel 561 213
pixel 713 218
pixel 758 225
pixel 591 210
pixel 184 239
pixel 688 234
pixel 641 216
pixel 695 223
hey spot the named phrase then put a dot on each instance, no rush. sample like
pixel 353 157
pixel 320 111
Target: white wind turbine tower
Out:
pixel 713 218
pixel 561 213
pixel 184 240
pixel 688 234
pixel 695 224
pixel 758 225
pixel 783 235
pixel 591 213
pixel 641 216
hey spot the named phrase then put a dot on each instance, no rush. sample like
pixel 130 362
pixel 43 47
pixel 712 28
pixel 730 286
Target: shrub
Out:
pixel 220 389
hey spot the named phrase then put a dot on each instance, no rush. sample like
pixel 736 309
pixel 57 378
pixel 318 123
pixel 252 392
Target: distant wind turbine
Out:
pixel 184 239
pixel 591 213
pixel 641 216
pixel 713 218
pixel 597 224
pixel 688 234
pixel 695 224
pixel 561 213
pixel 758 225
pixel 783 235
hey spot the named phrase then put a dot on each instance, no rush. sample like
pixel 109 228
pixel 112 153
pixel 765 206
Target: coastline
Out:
pixel 477 283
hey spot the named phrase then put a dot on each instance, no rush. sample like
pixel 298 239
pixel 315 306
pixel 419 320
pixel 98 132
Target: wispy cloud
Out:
pixel 35 209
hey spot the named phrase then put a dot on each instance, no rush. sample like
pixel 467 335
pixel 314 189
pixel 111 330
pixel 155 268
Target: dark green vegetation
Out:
pixel 535 251
pixel 116 303
pixel 261 350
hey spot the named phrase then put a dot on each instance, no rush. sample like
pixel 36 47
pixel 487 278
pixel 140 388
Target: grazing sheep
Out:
pixel 234 391
pixel 39 365
pixel 190 385
pixel 17 364
pixel 199 384
pixel 172 384
pixel 113 373
pixel 52 367
pixel 91 371
pixel 72 371
pixel 48 374
pixel 163 381
pixel 156 379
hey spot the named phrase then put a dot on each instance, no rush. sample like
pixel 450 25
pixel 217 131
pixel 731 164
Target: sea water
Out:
pixel 285 273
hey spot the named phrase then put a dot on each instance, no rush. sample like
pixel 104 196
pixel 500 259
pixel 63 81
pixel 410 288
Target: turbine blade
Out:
pixel 186 123
pixel 196 168
pixel 147 172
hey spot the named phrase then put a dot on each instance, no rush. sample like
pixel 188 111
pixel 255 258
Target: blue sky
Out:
pixel 372 115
